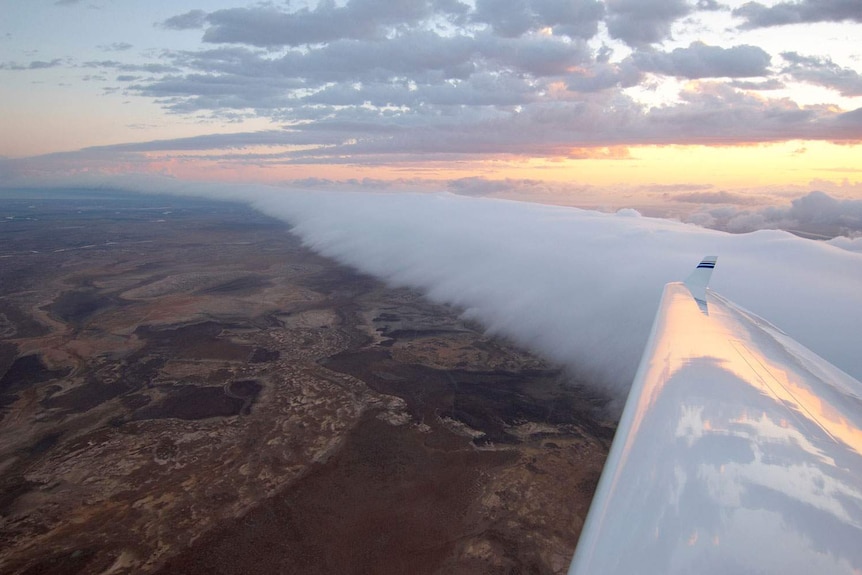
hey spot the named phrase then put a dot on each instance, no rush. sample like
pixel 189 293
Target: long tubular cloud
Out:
pixel 580 287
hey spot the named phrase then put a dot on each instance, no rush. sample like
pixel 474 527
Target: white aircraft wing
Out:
pixel 738 451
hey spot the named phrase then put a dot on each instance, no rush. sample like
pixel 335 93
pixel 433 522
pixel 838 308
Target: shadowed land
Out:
pixel 183 387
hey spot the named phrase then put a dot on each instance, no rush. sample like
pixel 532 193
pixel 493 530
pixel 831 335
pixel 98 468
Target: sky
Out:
pixel 609 104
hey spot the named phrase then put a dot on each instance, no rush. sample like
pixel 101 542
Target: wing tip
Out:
pixel 708 262
pixel 698 279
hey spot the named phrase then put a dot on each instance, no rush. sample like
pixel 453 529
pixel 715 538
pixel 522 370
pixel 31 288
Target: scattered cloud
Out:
pixel 758 15
pixel 700 60
pixel 817 214
pixel 760 85
pixel 710 5
pixel 483 187
pixel 849 244
pixel 150 67
pixel 186 21
pixel 33 65
pixel 644 22
pixel 513 18
pixel 376 83
pixel 115 47
pixel 715 197
pixel 669 188
pixel 267 26
pixel 823 72
pixel 603 76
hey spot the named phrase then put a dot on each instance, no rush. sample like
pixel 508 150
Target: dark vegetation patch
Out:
pixel 244 285
pixel 7 399
pixel 8 355
pixel 76 306
pixel 85 396
pixel 44 443
pixel 26 371
pixel 67 563
pixel 339 282
pixel 192 402
pixel 194 341
pixel 135 401
pixel 386 316
pixel 416 333
pixel 25 325
pixel 262 355
pixel 488 401
pixel 245 389
pixel 11 488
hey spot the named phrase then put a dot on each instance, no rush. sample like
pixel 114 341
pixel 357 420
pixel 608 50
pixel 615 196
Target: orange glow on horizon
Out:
pixel 795 163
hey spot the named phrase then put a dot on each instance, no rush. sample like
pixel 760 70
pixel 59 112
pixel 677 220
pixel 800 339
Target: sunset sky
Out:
pixel 568 101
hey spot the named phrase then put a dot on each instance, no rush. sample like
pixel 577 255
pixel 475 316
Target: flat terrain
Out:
pixel 184 388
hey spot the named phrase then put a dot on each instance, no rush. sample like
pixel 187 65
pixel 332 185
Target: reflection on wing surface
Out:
pixel 739 451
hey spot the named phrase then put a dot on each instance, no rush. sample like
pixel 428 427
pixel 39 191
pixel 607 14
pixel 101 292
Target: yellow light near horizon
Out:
pixel 631 175
pixel 757 165
pixel 794 163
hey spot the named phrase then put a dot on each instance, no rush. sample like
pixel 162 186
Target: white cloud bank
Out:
pixel 578 286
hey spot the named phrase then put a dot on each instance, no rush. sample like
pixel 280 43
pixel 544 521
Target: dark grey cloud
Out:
pixel 816 214
pixel 219 93
pixel 603 76
pixel 482 187
pixel 769 84
pixel 33 65
pixel 151 67
pixel 535 55
pixel 513 18
pixel 717 114
pixel 642 22
pixel 758 15
pixel 268 26
pixel 187 21
pixel 823 72
pixel 371 81
pixel 821 209
pixel 700 60
pixel 207 142
pixel 510 18
pixel 847 125
pixel 667 189
pixel 418 68
pixel 369 135
pixel 715 197
pixel 482 89
pixel 116 47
